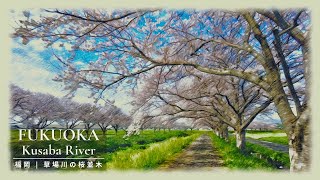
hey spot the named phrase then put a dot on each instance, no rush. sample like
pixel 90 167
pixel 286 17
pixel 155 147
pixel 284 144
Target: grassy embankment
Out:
pixel 278 140
pixel 255 157
pixel 151 157
pixel 265 131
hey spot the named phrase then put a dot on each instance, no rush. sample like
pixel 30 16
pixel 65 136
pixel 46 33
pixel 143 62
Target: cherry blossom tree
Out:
pixel 33 110
pixel 38 111
pixel 230 100
pixel 18 101
pixel 69 116
pixel 88 116
pixel 121 120
pixel 114 117
pixel 217 126
pixel 104 119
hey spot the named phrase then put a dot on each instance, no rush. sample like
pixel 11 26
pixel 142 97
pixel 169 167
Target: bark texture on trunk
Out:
pixel 34 134
pixel 224 132
pixel 87 133
pixel 217 133
pixel 104 132
pixel 297 130
pixel 67 133
pixel 299 144
pixel 240 139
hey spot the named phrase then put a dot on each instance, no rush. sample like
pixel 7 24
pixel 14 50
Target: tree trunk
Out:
pixel 297 131
pixel 104 132
pixel 217 133
pixel 67 133
pixel 133 128
pixel 224 132
pixel 34 134
pixel 299 144
pixel 240 139
pixel 87 132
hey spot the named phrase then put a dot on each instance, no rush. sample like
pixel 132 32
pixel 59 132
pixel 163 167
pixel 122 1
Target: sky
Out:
pixel 36 67
pixel 36 75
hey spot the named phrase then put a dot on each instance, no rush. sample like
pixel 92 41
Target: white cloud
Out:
pixel 122 100
pixel 40 80
pixel 61 46
pixel 275 116
pixel 57 46
pixel 79 63
pixel 34 79
pixel 37 79
pixel 68 46
pixel 37 45
pixel 30 71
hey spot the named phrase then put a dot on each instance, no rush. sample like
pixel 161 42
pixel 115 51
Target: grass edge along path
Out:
pixel 278 159
pixel 151 157
pixel 279 140
pixel 234 159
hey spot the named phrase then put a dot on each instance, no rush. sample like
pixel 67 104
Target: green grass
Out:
pixel 234 159
pixel 151 157
pixel 156 147
pixel 274 157
pixel 105 147
pixel 279 140
pixel 141 141
pixel 264 131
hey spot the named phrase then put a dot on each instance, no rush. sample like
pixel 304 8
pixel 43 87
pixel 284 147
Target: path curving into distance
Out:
pixel 270 145
pixel 200 154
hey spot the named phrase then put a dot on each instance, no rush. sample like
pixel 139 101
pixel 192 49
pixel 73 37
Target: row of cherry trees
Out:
pixel 167 122
pixel 236 63
pixel 214 101
pixel 36 110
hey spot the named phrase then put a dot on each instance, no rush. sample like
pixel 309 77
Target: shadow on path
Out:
pixel 200 154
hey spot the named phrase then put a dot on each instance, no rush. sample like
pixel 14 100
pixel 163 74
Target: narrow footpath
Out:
pixel 270 145
pixel 200 154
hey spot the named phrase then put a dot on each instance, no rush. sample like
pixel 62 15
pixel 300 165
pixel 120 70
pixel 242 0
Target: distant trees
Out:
pixel 37 111
pixel 104 119
pixel 69 116
pixel 33 110
pixel 159 122
pixel 122 121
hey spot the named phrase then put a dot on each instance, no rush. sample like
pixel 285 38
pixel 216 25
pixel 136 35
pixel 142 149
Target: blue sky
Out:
pixel 37 66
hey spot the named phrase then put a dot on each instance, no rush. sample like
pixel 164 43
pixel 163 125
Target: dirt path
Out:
pixel 274 146
pixel 200 154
